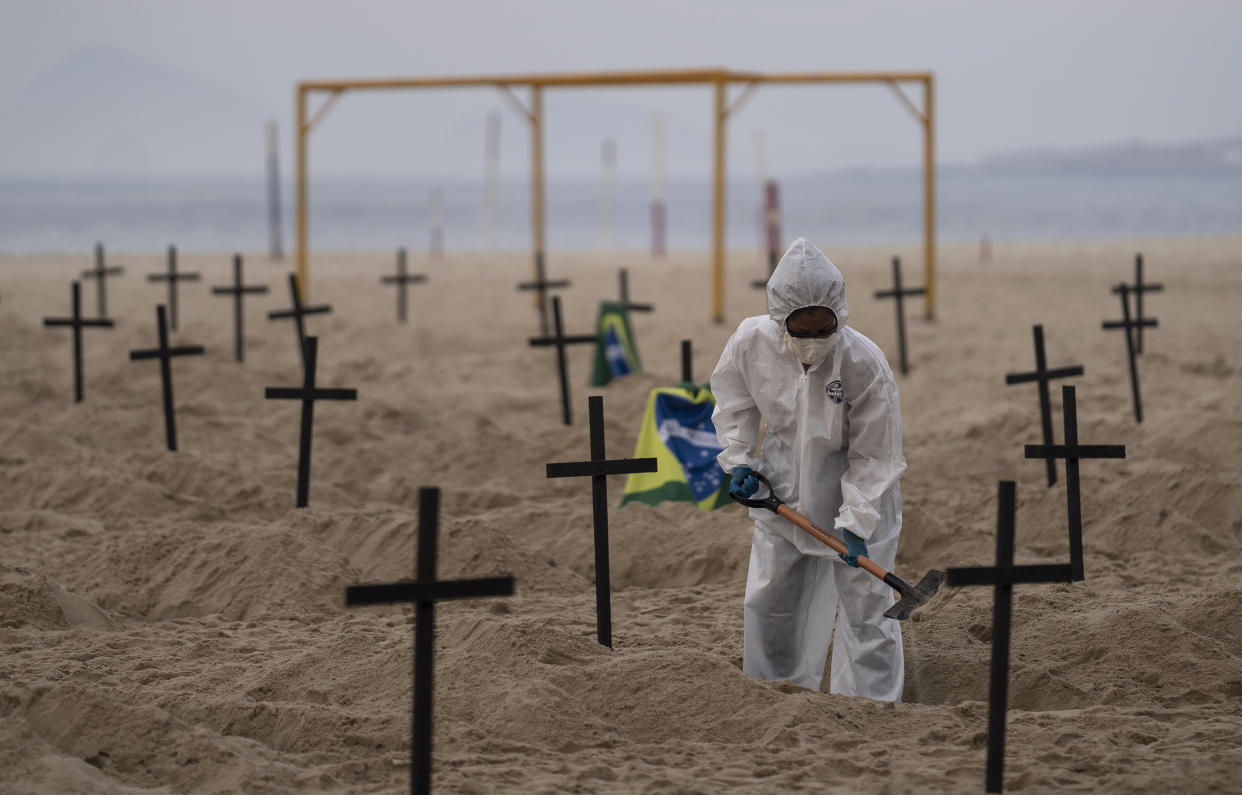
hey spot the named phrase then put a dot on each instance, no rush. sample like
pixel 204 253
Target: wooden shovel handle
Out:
pixel 866 564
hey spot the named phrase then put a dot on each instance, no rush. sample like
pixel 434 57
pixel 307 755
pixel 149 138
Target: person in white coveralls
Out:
pixel 832 451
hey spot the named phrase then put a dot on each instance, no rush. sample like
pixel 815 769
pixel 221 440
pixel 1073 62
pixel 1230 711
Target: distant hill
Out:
pixel 1131 157
pixel 102 112
pixel 105 112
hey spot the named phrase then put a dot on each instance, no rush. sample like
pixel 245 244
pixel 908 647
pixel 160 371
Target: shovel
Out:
pixel 912 596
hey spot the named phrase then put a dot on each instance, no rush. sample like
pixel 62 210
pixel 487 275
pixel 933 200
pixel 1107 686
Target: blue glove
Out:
pixel 855 546
pixel 744 483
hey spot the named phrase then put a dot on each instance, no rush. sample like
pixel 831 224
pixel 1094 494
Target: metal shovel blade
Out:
pixel 913 597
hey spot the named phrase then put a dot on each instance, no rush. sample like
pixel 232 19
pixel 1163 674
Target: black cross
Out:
pixel 101 272
pixel 623 276
pixel 308 394
pixel 1138 288
pixel 598 470
pixel 541 285
pixel 297 313
pixel 1072 452
pixel 762 284
pixel 560 341
pixel 237 291
pixel 1128 324
pixel 687 363
pixel 898 293
pixel 1003 576
pixel 165 354
pixel 1042 375
pixel 172 277
pixel 78 323
pixel 424 592
pixel 402 280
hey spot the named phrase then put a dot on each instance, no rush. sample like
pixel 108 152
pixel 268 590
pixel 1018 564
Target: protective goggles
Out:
pixel 812 335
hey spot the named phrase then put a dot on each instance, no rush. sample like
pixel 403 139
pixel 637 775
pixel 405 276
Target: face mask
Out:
pixel 810 351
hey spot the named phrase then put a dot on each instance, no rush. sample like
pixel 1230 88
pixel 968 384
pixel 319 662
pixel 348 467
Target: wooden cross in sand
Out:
pixel 308 394
pixel 598 469
pixel 623 277
pixel 560 340
pixel 898 293
pixel 101 273
pixel 164 353
pixel 237 291
pixel 541 285
pixel 1002 577
pixel 1138 288
pixel 403 280
pixel 424 592
pixel 297 312
pixel 1042 375
pixel 173 277
pixel 78 323
pixel 1129 325
pixel 1072 452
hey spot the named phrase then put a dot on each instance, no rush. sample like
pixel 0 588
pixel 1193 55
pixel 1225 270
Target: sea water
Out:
pixel 230 213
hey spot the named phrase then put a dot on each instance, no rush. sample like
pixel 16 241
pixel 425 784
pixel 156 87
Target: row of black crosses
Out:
pixel 1134 327
pixel 1004 575
pixel 307 346
pixel 101 271
pixel 308 393
pixel 238 289
pixel 1041 375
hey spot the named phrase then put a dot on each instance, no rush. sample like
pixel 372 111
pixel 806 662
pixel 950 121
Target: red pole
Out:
pixel 773 217
pixel 659 228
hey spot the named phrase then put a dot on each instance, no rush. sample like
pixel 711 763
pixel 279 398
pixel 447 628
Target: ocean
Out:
pixel 229 213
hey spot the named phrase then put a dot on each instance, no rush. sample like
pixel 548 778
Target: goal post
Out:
pixel 720 80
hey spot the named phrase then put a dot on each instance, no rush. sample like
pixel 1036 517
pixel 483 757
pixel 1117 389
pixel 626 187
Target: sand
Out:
pixel 171 623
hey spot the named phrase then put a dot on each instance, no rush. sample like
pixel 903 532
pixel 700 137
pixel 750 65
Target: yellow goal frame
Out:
pixel 720 79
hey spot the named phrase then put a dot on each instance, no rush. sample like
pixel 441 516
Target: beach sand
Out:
pixel 169 622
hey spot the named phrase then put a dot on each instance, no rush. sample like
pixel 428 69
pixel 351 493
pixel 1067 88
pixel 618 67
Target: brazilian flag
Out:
pixel 678 432
pixel 616 353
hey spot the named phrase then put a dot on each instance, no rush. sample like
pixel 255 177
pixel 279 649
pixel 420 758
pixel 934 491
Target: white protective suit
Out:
pixel 832 450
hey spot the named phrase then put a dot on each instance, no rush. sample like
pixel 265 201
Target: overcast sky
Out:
pixel 1010 74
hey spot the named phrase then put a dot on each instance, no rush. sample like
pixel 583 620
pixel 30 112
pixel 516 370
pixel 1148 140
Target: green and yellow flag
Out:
pixel 616 352
pixel 678 432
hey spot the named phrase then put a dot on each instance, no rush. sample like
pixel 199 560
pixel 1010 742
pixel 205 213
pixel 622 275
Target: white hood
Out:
pixel 805 277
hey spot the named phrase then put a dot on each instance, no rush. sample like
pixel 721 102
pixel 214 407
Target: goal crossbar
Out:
pixel 718 78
